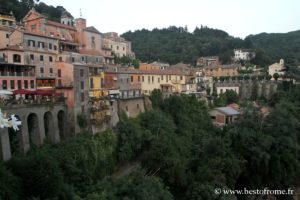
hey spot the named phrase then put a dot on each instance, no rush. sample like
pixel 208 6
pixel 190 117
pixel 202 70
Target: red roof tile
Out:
pixel 52 23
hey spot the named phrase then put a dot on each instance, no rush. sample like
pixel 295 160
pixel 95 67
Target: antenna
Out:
pixel 80 13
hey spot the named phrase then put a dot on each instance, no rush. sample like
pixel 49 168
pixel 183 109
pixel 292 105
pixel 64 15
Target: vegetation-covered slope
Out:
pixel 176 44
pixel 279 45
pixel 21 7
pixel 182 156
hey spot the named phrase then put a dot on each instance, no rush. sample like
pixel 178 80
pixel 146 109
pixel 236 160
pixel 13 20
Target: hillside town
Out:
pixel 72 65
pixel 169 113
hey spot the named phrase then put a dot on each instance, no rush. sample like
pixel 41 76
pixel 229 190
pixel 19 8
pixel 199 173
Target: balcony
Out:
pixel 64 86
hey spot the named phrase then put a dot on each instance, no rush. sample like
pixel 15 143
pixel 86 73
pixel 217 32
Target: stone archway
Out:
pixel 33 129
pixel 61 124
pixel 15 138
pixel 49 127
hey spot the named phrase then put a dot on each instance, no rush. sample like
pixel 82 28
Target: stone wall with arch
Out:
pixel 40 124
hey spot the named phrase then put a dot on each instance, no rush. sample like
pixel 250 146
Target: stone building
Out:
pixel 117 44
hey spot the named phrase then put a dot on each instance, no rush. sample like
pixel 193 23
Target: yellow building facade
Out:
pixel 96 85
pixel 159 79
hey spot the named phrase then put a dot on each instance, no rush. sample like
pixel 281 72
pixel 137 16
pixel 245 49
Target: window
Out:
pixel 117 47
pixel 181 78
pixel 50 46
pixel 152 79
pixel 55 47
pixel 82 58
pixel 31 83
pixel 59 72
pixel 33 27
pixel 123 48
pixel 91 83
pixel 137 106
pixel 7 35
pixel 93 43
pixel 4 84
pixel 19 84
pixel 142 78
pixel 31 43
pixel 60 59
pixel 139 79
pixel 158 79
pixel 31 57
pixel 162 77
pixel 82 85
pixel 126 108
pixel 50 59
pixel 59 82
pixel 127 80
pixel 131 79
pixel 12 84
pixel 41 44
pixel 17 58
pixel 82 96
pixel 26 84
pixel 148 79
pixel 73 59
pixel 81 72
pixel 51 70
pixel 41 58
pixel 41 70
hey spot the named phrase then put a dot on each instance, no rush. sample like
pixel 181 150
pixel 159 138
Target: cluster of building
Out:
pixel 77 61
pixel 63 70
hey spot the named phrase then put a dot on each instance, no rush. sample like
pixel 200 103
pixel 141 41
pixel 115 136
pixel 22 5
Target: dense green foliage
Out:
pixel 176 44
pixel 127 61
pixel 21 7
pixel 279 45
pixel 181 155
pixel 228 97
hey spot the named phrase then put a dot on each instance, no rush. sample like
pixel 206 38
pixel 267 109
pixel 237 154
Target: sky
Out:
pixel 239 18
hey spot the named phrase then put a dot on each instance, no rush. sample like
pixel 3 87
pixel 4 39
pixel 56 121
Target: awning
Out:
pixel 45 92
pixel 23 91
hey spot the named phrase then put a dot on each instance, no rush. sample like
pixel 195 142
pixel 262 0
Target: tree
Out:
pixel 276 76
pixel 82 120
pixel 134 186
pixel 156 98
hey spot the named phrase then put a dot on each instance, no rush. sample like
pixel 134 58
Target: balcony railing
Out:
pixel 18 74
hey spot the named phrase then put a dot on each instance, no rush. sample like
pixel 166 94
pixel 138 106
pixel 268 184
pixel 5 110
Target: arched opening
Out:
pixel 49 127
pixel 33 129
pixel 61 122
pixel 15 138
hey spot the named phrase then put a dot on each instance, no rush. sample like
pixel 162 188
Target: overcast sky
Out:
pixel 239 18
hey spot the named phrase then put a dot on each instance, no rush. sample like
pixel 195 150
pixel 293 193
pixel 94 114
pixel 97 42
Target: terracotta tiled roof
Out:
pixel 13 48
pixel 90 52
pixel 137 71
pixel 92 29
pixel 40 35
pixel 222 66
pixel 5 28
pixel 52 23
